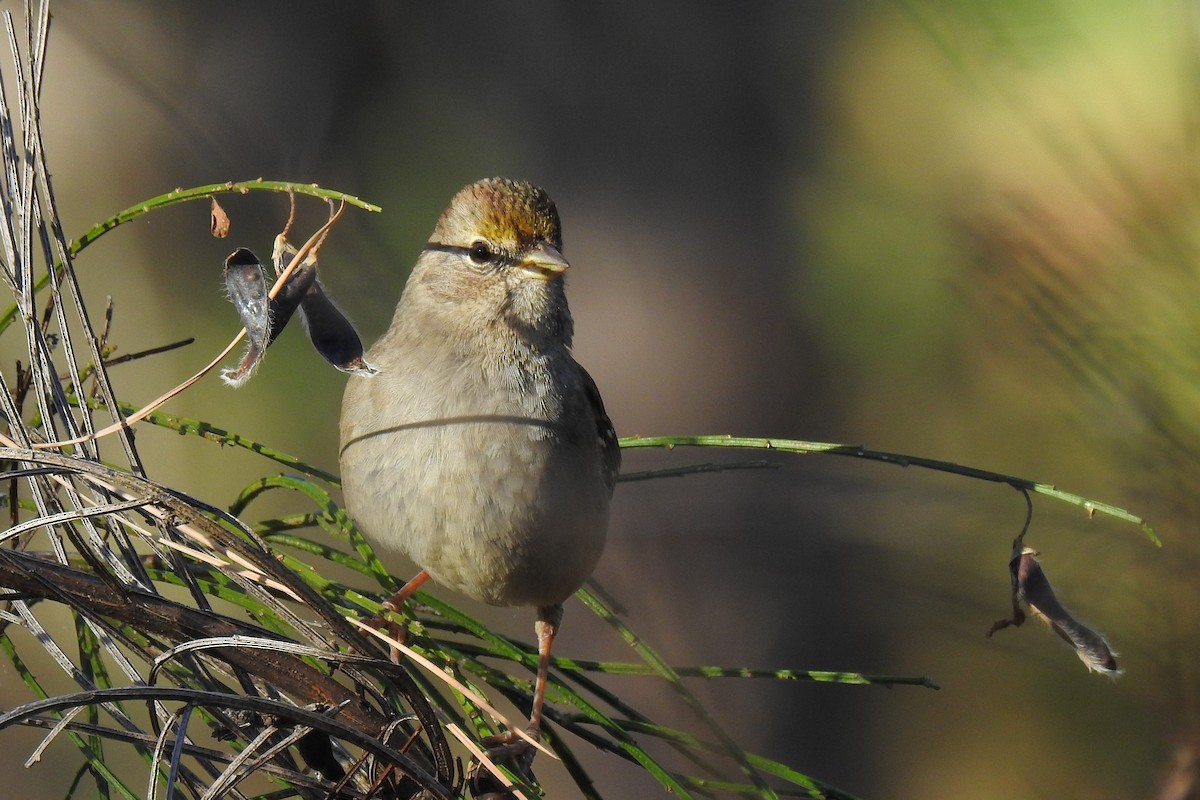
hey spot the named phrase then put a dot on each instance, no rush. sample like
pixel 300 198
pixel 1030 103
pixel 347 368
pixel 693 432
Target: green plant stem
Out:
pixel 898 459
pixel 75 246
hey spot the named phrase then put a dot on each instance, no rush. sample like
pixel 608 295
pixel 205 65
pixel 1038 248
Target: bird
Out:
pixel 480 448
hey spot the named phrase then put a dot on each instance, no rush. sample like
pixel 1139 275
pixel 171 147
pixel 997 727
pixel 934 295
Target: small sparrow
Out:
pixel 481 449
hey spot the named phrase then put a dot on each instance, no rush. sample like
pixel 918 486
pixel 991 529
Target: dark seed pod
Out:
pixel 1089 645
pixel 265 318
pixel 1032 587
pixel 331 332
pixel 246 287
pixel 290 295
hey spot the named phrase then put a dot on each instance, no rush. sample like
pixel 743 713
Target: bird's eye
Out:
pixel 480 253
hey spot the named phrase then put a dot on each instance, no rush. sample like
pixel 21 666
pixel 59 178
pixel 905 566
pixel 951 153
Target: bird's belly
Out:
pixel 490 506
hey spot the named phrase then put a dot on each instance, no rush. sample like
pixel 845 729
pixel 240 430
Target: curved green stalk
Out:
pixel 75 246
pixel 899 459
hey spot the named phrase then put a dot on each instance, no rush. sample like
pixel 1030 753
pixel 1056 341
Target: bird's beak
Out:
pixel 543 262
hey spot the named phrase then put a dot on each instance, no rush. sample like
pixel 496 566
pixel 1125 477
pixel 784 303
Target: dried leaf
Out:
pixel 218 220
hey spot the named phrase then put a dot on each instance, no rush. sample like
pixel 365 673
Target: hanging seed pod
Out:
pixel 290 295
pixel 331 333
pixel 264 317
pixel 1031 586
pixel 246 288
pixel 1089 645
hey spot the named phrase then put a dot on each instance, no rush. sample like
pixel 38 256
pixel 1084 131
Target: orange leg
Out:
pixel 548 621
pixel 508 744
pixel 394 602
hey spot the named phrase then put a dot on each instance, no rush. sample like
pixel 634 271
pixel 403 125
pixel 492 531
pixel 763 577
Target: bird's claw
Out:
pixel 510 750
pixel 508 746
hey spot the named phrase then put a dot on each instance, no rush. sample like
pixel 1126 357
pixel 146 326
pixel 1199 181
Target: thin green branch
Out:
pixel 203 192
pixel 694 469
pixel 812 787
pixel 662 668
pixel 197 427
pixel 645 670
pixel 75 246
pixel 898 459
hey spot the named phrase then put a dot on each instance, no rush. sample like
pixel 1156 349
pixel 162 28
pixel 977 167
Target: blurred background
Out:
pixel 962 229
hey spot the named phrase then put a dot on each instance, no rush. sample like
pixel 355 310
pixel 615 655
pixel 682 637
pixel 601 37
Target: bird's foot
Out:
pixel 391 628
pixel 393 604
pixel 507 749
pixel 510 746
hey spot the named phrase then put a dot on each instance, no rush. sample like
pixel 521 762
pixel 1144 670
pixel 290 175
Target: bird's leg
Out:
pixel 394 603
pixel 509 744
pixel 549 618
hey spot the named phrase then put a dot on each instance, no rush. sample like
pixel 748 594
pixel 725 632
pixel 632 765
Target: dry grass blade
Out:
pixel 84 535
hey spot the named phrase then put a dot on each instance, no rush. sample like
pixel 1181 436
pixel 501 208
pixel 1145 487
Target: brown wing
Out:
pixel 609 447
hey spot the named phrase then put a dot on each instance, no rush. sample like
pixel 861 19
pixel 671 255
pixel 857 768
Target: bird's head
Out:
pixel 495 257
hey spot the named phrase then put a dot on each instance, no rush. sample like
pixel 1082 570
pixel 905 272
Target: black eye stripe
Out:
pixel 495 259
